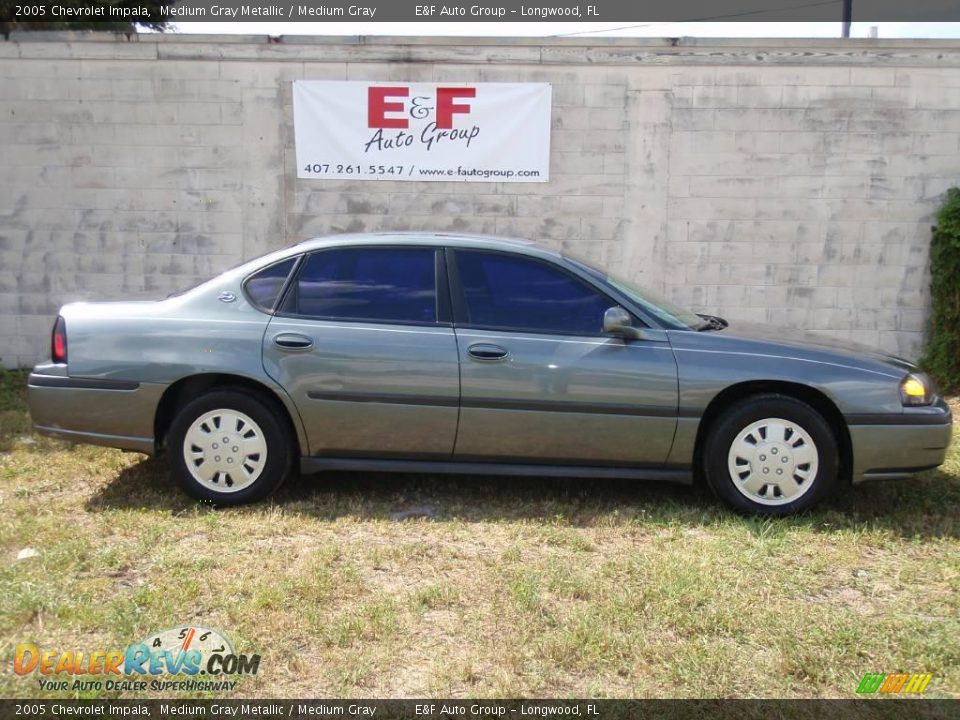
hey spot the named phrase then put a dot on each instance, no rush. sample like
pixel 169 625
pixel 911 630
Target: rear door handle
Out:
pixel 487 352
pixel 293 341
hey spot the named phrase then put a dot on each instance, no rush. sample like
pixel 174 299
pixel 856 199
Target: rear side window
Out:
pixel 518 293
pixel 263 288
pixel 397 285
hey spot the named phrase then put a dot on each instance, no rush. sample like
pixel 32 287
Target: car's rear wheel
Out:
pixel 229 448
pixel 771 455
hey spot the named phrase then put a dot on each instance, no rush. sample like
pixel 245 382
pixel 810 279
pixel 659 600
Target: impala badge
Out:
pixel 226 296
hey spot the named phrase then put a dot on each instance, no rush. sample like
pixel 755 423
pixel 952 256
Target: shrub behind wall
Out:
pixel 942 355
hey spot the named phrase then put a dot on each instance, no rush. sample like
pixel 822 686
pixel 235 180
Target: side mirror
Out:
pixel 617 321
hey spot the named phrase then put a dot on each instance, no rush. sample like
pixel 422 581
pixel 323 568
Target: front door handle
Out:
pixel 487 352
pixel 292 341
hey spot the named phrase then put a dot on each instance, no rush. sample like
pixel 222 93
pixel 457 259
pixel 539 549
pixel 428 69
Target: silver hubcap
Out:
pixel 773 461
pixel 224 450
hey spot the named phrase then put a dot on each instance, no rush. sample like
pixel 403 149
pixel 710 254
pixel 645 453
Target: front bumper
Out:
pixel 95 411
pixel 897 446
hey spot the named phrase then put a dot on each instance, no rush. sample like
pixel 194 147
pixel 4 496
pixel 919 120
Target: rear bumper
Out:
pixel 897 446
pixel 95 411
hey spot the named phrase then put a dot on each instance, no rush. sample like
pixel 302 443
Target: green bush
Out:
pixel 942 355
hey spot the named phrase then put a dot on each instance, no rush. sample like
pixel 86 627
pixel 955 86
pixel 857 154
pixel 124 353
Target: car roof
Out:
pixel 441 239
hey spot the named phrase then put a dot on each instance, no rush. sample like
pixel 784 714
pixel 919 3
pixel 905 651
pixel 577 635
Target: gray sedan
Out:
pixel 452 353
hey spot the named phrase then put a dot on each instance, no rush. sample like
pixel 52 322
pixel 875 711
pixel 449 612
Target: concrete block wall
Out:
pixel 784 182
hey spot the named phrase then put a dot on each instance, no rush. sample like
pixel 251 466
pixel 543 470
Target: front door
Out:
pixel 540 382
pixel 362 346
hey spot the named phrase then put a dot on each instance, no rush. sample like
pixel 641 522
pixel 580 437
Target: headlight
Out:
pixel 916 389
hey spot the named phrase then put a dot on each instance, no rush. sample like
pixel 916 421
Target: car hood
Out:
pixel 787 337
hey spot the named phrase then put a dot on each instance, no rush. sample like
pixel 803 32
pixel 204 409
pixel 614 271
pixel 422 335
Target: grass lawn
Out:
pixel 505 587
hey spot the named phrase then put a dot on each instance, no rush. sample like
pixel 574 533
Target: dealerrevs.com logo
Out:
pixel 190 658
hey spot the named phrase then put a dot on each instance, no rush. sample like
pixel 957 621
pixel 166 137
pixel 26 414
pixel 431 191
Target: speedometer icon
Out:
pixel 188 638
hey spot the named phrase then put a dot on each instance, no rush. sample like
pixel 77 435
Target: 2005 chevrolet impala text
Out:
pixel 451 353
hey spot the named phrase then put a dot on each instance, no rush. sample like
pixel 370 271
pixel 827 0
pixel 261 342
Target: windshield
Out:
pixel 670 314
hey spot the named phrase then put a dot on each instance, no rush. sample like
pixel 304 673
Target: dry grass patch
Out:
pixel 513 587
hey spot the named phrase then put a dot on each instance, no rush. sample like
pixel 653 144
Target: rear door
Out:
pixel 540 382
pixel 364 345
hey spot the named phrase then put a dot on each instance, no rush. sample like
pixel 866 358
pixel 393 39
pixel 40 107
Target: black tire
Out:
pixel 755 409
pixel 273 471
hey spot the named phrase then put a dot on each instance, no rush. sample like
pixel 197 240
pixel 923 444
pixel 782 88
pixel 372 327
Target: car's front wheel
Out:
pixel 229 447
pixel 771 455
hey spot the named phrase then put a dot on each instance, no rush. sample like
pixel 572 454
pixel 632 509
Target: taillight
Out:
pixel 58 346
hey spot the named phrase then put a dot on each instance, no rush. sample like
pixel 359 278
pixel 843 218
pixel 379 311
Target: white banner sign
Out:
pixel 479 132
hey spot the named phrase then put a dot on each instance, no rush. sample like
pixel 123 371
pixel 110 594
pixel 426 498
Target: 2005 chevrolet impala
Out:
pixel 452 353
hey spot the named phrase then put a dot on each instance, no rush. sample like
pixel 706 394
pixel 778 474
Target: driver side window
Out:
pixel 508 292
